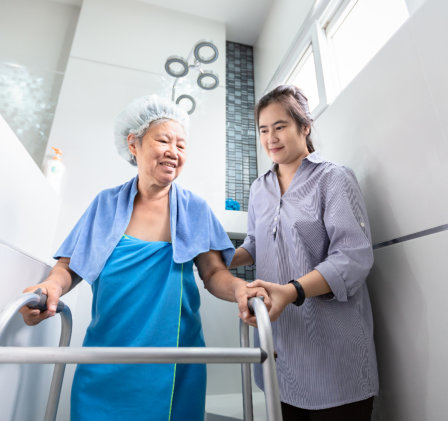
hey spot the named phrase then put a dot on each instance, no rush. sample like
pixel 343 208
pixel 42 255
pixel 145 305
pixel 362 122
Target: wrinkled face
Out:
pixel 161 153
pixel 281 138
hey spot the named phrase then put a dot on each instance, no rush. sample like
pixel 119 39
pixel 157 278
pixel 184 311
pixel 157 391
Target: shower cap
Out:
pixel 137 117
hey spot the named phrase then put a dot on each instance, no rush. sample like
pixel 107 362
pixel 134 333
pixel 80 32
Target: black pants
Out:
pixel 356 411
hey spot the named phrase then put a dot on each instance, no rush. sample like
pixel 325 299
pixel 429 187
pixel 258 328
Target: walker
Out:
pixel 62 355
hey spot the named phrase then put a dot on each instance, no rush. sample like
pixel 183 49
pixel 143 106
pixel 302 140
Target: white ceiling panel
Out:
pixel 244 19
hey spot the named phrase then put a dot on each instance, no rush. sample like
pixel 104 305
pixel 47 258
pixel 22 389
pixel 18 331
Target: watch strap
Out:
pixel 300 293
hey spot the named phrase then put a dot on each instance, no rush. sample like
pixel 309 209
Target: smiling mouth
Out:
pixel 168 164
pixel 274 150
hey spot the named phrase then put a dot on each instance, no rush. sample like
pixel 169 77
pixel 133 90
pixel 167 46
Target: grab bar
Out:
pixel 145 355
pixel 245 375
pixel 36 299
pixel 270 381
pixel 128 355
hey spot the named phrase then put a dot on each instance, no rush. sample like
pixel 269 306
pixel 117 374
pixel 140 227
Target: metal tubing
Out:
pixel 58 372
pixel 248 412
pixel 9 312
pixel 102 355
pixel 66 332
pixel 270 381
pixel 129 355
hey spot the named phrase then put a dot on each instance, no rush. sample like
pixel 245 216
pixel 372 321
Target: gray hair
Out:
pixel 139 115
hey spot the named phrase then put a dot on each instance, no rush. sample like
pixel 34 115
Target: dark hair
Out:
pixel 294 102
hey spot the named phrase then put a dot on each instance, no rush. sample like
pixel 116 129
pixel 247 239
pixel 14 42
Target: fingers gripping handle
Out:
pixel 41 302
pixel 250 304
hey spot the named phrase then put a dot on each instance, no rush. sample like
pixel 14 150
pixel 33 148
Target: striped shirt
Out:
pixel 326 353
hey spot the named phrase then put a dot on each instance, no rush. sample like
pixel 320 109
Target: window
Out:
pixel 336 41
pixel 304 76
pixel 358 32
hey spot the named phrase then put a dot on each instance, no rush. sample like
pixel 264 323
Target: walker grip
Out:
pixel 250 305
pixel 41 304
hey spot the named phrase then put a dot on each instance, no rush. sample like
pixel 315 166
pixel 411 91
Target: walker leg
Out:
pixel 248 414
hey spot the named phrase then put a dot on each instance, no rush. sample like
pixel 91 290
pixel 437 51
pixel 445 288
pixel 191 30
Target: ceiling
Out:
pixel 243 18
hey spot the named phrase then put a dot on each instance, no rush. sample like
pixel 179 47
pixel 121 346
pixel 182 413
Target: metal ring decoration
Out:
pixel 176 60
pixel 205 44
pixel 191 99
pixel 208 74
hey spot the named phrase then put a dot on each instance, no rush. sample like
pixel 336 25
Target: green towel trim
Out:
pixel 178 335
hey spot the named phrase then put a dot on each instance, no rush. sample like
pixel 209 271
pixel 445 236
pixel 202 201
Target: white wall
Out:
pixel 33 33
pixel 280 29
pixel 282 24
pixel 29 209
pixel 36 34
pixel 41 32
pixel 28 215
pixel 389 126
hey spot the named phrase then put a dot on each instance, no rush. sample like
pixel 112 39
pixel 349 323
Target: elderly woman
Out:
pixel 136 245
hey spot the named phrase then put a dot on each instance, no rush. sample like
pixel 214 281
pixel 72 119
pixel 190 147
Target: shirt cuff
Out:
pixel 334 279
pixel 250 248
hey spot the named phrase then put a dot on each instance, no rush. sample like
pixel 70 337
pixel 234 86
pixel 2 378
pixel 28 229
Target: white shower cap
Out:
pixel 139 114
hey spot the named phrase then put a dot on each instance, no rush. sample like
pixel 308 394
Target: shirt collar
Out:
pixel 313 157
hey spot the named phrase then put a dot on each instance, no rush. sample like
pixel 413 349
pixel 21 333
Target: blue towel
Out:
pixel 194 229
pixel 142 298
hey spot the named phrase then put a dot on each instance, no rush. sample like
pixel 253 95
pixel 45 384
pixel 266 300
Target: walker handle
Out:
pixel 42 303
pixel 250 304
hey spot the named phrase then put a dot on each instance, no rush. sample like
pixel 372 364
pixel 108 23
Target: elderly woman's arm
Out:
pixel 222 284
pixel 60 280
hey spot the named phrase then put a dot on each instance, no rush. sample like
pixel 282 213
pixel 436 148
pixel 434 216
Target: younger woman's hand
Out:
pixel 280 295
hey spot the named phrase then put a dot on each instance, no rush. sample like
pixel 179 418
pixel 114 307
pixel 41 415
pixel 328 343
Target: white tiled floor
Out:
pixel 231 405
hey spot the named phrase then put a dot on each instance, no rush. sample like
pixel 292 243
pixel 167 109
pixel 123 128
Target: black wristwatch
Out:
pixel 300 293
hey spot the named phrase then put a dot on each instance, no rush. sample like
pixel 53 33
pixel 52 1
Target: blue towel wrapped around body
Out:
pixel 194 229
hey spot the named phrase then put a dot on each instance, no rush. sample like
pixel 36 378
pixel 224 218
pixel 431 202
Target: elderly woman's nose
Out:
pixel 172 150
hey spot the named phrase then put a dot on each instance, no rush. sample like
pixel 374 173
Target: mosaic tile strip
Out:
pixel 244 272
pixel 241 150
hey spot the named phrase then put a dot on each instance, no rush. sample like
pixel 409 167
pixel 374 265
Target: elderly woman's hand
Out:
pixel 281 296
pixel 222 284
pixel 53 291
pixel 242 295
pixel 60 281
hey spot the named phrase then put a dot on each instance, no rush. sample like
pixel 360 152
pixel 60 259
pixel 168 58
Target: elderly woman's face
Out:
pixel 161 153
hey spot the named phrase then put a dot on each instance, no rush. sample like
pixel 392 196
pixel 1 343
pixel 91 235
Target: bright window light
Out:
pixel 360 31
pixel 304 77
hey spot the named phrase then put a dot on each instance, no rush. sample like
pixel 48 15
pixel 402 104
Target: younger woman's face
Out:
pixel 283 141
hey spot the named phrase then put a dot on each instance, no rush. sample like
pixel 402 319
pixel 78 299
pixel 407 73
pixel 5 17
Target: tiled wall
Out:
pixel 243 272
pixel 241 155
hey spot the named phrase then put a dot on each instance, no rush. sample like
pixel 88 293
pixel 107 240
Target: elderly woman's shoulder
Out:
pixel 188 197
pixel 113 193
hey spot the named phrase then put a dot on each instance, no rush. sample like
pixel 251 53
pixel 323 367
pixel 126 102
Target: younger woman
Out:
pixel 309 235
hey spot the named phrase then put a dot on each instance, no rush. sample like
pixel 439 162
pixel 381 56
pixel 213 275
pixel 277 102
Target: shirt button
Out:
pixel 275 218
pixel 277 208
pixel 362 224
pixel 274 230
